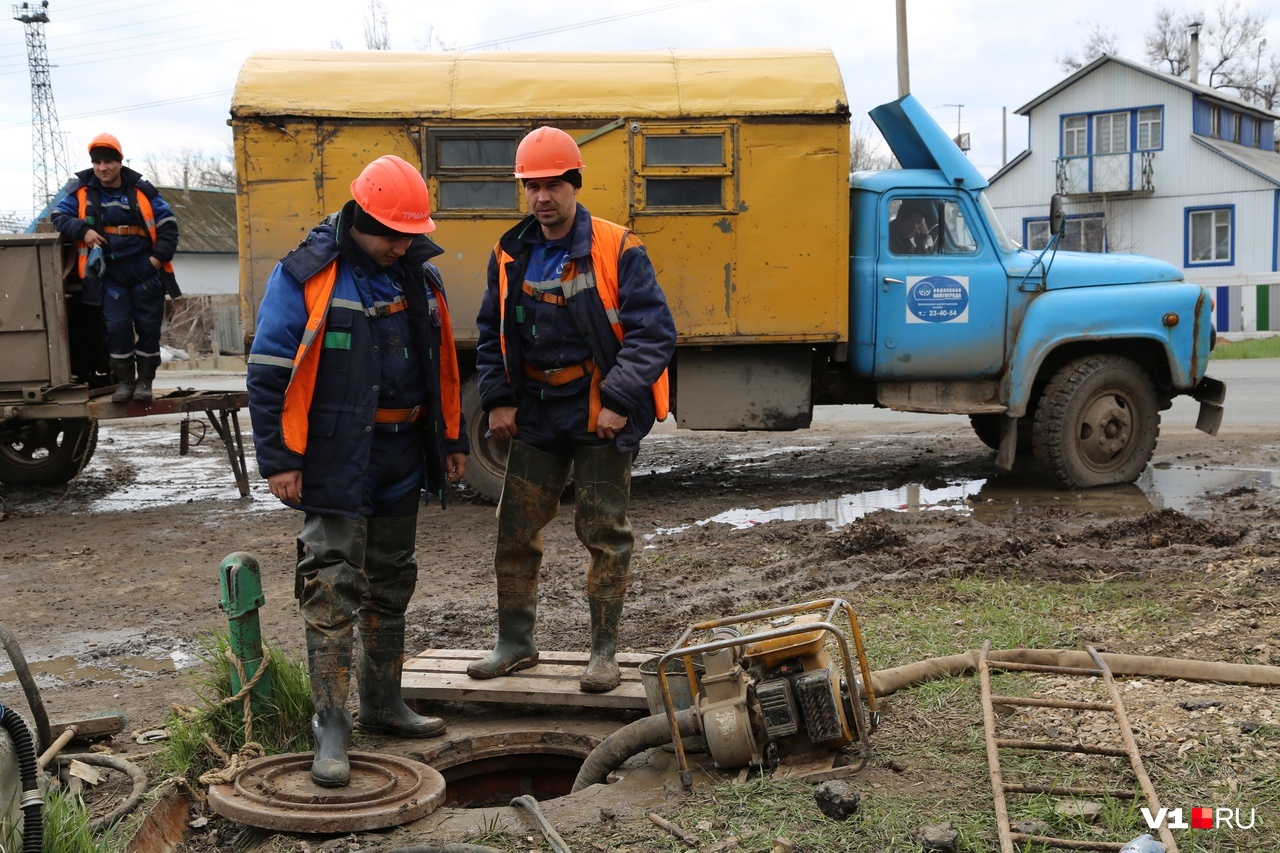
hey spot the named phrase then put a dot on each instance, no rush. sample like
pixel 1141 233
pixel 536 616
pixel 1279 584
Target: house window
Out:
pixel 1111 133
pixel 1075 136
pixel 471 170
pixel 1237 126
pixel 1209 235
pixel 1150 123
pixel 685 169
pixel 1215 122
pixel 1083 234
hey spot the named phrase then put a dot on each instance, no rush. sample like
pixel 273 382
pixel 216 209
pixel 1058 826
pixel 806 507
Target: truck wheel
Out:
pixel 487 464
pixel 1097 423
pixel 46 452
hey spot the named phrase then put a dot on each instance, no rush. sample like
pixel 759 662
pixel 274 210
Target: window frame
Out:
pixel 439 175
pixel 1154 126
pixel 1079 135
pixel 1114 119
pixel 1191 214
pixel 1077 218
pixel 724 171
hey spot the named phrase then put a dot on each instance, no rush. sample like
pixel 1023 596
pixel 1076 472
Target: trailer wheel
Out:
pixel 45 452
pixel 1097 423
pixel 487 464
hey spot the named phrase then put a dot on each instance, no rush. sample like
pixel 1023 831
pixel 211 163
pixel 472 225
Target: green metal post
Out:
pixel 241 597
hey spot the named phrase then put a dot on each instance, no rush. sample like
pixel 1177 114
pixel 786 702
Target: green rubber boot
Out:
pixel 530 499
pixel 122 371
pixel 602 483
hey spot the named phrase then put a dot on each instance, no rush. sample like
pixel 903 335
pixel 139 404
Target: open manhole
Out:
pixel 492 770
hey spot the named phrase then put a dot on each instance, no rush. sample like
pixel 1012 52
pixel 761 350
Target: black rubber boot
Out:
pixel 329 588
pixel 530 499
pixel 147 365
pixel 392 573
pixel 122 371
pixel 602 483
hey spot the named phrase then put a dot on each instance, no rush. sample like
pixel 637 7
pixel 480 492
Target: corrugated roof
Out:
pixel 206 219
pixel 1200 89
pixel 513 85
pixel 1264 163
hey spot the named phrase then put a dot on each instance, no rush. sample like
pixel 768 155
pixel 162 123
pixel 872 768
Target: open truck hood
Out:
pixel 919 142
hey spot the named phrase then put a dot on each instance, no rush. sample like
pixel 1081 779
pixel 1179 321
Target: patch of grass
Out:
pixel 66 827
pixel 1253 348
pixel 282 724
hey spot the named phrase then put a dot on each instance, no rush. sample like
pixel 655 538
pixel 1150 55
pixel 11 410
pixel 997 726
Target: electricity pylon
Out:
pixel 49 155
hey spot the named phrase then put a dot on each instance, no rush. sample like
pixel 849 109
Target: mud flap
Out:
pixel 1008 443
pixel 1211 393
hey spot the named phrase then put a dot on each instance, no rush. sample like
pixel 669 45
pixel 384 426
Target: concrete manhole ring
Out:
pixel 277 793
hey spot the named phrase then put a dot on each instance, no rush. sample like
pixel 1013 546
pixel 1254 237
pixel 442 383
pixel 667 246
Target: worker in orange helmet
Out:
pixel 120 220
pixel 575 336
pixel 354 397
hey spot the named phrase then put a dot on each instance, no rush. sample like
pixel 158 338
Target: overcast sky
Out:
pixel 159 73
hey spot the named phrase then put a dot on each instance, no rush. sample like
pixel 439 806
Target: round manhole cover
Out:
pixel 276 792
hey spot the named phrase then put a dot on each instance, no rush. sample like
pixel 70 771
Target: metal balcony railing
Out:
pixel 1130 173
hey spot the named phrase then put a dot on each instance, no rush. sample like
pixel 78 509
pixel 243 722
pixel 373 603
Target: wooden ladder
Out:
pixel 995 744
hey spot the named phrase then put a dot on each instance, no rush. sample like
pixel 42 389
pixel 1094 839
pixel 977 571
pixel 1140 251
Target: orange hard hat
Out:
pixel 393 192
pixel 106 140
pixel 547 152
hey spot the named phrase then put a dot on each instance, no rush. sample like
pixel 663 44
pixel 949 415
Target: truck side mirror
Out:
pixel 1057 218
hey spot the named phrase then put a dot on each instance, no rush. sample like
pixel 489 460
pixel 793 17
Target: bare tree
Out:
pixel 866 150
pixel 190 166
pixel 376 34
pixel 432 42
pixel 1099 40
pixel 1233 50
pixel 1168 43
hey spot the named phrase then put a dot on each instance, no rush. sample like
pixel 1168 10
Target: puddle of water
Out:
pixel 71 668
pixel 1172 487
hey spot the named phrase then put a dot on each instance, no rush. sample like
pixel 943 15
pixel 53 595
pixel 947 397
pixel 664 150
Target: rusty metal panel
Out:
pixel 511 84
pixel 746 387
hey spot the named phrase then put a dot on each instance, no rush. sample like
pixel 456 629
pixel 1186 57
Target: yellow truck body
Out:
pixel 698 152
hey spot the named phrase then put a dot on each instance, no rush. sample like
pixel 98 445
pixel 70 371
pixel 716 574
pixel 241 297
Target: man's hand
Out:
pixel 155 262
pixel 93 238
pixel 455 467
pixel 286 485
pixel 502 422
pixel 610 423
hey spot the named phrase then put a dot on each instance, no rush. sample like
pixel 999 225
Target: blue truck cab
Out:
pixel 1075 354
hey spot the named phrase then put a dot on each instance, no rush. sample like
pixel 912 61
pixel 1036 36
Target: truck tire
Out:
pixel 987 429
pixel 46 452
pixel 487 464
pixel 1097 423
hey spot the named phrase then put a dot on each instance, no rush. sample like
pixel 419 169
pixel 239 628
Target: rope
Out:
pixel 246 687
pixel 232 765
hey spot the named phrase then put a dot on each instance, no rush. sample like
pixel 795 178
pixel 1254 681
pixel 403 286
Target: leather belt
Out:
pixel 398 416
pixel 542 295
pixel 126 230
pixel 561 375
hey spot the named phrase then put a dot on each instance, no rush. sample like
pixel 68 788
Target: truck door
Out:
pixel 941 293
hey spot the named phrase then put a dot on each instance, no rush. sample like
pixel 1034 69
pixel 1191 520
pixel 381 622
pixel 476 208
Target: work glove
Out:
pixel 97 263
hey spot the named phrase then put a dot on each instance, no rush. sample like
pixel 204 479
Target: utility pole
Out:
pixel 49 155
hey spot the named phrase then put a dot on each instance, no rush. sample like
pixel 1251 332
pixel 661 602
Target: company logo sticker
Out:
pixel 938 299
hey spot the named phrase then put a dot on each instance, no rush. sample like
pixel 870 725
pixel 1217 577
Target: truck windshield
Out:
pixel 1006 242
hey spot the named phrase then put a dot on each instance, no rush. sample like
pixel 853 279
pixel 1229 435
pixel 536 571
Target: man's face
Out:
pixel 384 251
pixel 108 172
pixel 554 202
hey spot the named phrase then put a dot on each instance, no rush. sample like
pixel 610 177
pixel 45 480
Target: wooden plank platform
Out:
pixel 441 674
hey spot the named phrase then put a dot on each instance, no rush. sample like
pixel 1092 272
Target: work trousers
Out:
pixel 134 313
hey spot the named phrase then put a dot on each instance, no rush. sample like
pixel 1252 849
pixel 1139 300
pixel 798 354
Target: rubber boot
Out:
pixel 147 365
pixel 122 372
pixel 603 488
pixel 530 499
pixel 329 588
pixel 392 572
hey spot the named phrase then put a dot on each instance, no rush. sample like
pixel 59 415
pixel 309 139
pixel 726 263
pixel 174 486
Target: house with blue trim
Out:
pixel 1156 165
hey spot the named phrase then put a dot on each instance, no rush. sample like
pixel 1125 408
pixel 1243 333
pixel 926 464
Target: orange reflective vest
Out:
pixel 148 221
pixel 608 241
pixel 318 294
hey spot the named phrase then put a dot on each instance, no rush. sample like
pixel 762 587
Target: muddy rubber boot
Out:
pixel 122 372
pixel 329 587
pixel 530 499
pixel 147 365
pixel 603 489
pixel 392 573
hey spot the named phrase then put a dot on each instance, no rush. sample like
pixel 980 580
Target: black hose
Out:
pixel 548 831
pixel 34 702
pixel 629 740
pixel 32 824
pixel 114 762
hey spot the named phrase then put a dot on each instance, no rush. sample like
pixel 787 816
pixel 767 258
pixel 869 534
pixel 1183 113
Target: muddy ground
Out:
pixel 106 584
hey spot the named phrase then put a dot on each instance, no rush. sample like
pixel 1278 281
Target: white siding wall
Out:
pixel 207 273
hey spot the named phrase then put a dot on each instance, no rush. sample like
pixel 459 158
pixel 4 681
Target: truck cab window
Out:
pixel 928 226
